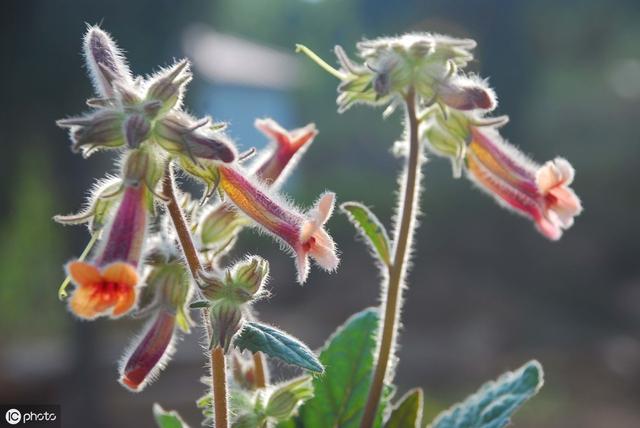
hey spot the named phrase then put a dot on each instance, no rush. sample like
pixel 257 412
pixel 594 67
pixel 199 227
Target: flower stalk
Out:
pixel 398 269
pixel 217 357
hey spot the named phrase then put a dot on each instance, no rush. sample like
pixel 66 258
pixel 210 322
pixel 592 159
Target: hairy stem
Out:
pixel 219 376
pixel 404 229
pixel 261 375
pixel 217 361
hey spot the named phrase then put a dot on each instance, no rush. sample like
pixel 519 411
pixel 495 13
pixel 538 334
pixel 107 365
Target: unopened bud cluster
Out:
pixel 229 297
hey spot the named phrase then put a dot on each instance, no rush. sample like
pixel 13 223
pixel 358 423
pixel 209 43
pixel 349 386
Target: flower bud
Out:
pixel 250 275
pixel 466 94
pixel 136 130
pixel 142 166
pixel 168 86
pixel 445 144
pixel 102 129
pixel 286 398
pixel 179 134
pixel 226 321
pixel 219 225
pixel 104 61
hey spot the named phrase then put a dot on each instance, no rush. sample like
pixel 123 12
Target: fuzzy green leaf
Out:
pixel 278 344
pixel 407 413
pixel 371 228
pixel 167 419
pixel 493 405
pixel 341 393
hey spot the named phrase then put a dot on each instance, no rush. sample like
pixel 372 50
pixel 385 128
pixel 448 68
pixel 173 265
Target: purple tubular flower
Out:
pixel 303 233
pixel 149 356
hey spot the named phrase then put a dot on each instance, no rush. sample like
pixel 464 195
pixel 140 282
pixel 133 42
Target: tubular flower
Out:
pixel 149 356
pixel 304 234
pixel 167 292
pixel 107 285
pixel 288 144
pixel 541 193
pixel 221 223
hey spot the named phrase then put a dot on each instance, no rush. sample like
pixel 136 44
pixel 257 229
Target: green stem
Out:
pixel 322 63
pixel 398 269
pixel 216 356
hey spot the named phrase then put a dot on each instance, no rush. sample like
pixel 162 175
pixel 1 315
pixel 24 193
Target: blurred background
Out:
pixel 486 293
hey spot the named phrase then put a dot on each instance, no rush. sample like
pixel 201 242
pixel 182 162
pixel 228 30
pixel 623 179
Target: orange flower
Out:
pixel 107 284
pixel 99 291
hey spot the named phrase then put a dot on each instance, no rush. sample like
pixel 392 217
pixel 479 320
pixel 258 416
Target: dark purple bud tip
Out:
pixel 210 148
pixel 480 98
pixel 136 130
pixel 467 97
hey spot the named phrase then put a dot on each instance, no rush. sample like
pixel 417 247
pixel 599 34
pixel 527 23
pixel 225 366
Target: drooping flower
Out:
pixel 304 234
pixel 151 353
pixel 222 222
pixel 541 193
pixel 168 281
pixel 107 284
pixel 473 143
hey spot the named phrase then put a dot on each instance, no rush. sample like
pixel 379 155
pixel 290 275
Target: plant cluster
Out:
pixel 155 252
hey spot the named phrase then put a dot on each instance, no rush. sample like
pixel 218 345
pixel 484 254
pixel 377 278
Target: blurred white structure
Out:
pixel 225 59
pixel 245 80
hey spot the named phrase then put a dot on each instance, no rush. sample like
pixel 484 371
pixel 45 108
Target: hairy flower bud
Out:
pixel 250 275
pixel 219 225
pixel 446 144
pixel 142 166
pixel 136 130
pixel 168 86
pixel 104 61
pixel 466 94
pixel 101 129
pixel 286 398
pixel 226 321
pixel 179 134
